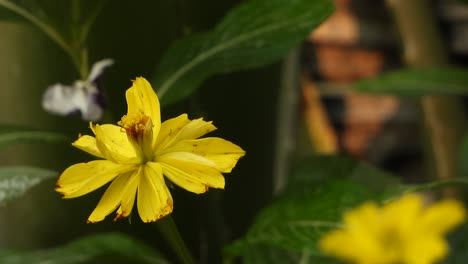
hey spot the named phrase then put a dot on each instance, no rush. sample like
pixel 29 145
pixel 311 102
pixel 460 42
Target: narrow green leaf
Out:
pixel 418 82
pixel 254 34
pixel 102 248
pixel 15 181
pixel 13 134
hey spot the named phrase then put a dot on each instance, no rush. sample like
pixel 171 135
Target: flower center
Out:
pixel 139 129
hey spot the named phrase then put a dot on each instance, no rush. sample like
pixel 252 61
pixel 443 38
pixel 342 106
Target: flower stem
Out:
pixel 170 232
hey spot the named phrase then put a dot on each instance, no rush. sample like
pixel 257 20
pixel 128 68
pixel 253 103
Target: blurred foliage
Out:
pixel 313 203
pixel 418 82
pixel 114 247
pixel 67 23
pixel 463 158
pixel 321 188
pixel 266 254
pixel 296 221
pixel 251 35
pixel 12 134
pixel 15 181
pixel 458 246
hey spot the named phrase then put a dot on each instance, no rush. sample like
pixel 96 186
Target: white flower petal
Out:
pixel 93 111
pixel 60 99
pixel 98 68
pixel 65 100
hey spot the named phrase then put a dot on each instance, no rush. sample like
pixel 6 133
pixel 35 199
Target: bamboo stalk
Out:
pixel 443 116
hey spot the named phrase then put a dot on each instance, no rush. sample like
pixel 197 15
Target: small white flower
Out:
pixel 83 97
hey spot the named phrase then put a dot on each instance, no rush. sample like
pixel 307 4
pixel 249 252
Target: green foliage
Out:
pixel 15 181
pixel 107 248
pixel 315 170
pixel 14 134
pixel 275 255
pixel 253 34
pixel 297 221
pixel 320 189
pixel 458 246
pixel 66 23
pixel 56 19
pixel 418 82
pixel 463 158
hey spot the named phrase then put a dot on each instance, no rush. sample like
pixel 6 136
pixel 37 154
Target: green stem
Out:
pixel 436 184
pixel 169 230
pixel 47 29
pixel 84 65
pixel 90 21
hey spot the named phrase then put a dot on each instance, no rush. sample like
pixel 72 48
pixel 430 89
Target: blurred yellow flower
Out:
pixel 400 232
pixel 137 153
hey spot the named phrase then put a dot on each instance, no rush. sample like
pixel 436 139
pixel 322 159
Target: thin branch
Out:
pixel 44 27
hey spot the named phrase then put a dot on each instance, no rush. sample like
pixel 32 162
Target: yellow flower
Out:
pixel 400 232
pixel 137 153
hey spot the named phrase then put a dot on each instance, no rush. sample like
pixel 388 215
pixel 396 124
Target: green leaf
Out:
pixel 321 188
pixel 15 181
pixel 418 82
pixel 275 255
pixel 297 221
pixel 458 240
pixel 315 170
pixel 254 34
pixel 107 248
pixel 14 134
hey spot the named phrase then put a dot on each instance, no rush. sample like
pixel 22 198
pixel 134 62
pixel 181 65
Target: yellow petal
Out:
pixel 195 129
pixel 114 145
pixel 154 199
pixel 425 250
pixel 187 157
pixel 191 172
pixel 141 98
pixel 333 244
pixel 191 130
pixel 88 144
pixel 128 196
pixel 360 217
pixel 443 216
pixel 170 128
pixel 222 152
pixel 179 178
pixel 111 198
pixel 403 213
pixel 82 178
